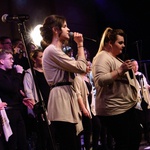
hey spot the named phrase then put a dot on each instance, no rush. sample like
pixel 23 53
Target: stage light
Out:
pixel 35 35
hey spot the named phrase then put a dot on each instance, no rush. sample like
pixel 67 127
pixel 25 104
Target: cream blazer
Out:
pixel 113 97
pixel 82 91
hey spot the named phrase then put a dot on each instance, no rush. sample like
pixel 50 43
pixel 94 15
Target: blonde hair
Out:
pixel 109 35
pixel 4 52
pixel 102 42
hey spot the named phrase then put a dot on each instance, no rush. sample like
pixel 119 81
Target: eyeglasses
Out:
pixel 7 43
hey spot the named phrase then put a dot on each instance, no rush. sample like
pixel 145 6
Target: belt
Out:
pixel 60 84
pixel 11 108
pixel 8 108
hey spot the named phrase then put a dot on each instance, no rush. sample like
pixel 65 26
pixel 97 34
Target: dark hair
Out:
pixel 3 38
pixel 88 54
pixel 112 35
pixel 43 44
pixel 15 41
pixel 50 22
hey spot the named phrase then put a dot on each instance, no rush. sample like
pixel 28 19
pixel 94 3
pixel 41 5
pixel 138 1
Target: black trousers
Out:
pixel 18 140
pixel 92 127
pixel 65 135
pixel 96 129
pixel 125 129
pixel 87 132
pixel 2 142
pixel 144 118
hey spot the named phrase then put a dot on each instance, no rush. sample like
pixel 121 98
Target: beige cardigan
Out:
pixel 62 103
pixel 82 91
pixel 112 96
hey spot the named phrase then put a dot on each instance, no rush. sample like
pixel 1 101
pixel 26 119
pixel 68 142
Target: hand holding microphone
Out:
pixel 126 66
pixel 19 68
pixel 78 37
pixel 129 64
pixel 71 34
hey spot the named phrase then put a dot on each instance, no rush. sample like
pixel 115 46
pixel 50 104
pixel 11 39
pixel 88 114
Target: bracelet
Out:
pixel 80 46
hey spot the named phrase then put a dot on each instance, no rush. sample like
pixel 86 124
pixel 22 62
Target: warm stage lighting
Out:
pixel 35 35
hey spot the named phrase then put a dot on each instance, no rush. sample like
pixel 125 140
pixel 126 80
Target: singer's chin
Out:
pixel 66 38
pixel 120 53
pixel 10 68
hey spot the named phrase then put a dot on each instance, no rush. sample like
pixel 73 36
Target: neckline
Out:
pixel 114 57
pixel 38 69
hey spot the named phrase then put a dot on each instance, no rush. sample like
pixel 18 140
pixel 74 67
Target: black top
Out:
pixel 89 86
pixel 43 86
pixel 23 61
pixel 10 82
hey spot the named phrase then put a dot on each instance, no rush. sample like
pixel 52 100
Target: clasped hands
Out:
pixel 27 101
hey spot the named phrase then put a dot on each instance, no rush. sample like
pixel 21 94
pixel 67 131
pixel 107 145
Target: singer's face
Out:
pixel 20 45
pixel 89 65
pixel 118 45
pixel 38 59
pixel 7 44
pixel 65 32
pixel 135 66
pixel 8 61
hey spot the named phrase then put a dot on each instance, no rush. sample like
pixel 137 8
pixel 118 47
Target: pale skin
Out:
pixel 80 99
pixel 6 64
pixel 135 68
pixel 59 38
pixel 37 66
pixel 38 62
pixel 7 44
pixel 3 105
pixel 115 49
pixel 19 47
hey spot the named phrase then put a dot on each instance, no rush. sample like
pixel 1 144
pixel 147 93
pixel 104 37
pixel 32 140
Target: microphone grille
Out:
pixel 4 17
pixel 14 66
pixel 71 34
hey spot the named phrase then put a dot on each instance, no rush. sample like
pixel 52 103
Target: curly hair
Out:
pixel 50 22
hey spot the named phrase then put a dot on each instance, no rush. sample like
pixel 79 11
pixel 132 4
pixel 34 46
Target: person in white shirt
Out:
pixel 143 106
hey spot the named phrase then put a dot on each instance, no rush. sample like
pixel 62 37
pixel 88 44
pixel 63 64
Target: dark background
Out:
pixel 89 17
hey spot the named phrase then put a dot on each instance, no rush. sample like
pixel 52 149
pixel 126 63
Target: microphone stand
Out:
pixel 140 61
pixel 39 108
pixel 138 51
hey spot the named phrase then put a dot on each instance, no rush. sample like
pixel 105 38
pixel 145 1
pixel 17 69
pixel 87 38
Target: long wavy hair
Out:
pixel 50 22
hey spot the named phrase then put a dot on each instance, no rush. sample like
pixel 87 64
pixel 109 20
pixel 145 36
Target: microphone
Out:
pixel 15 67
pixel 86 38
pixel 16 18
pixel 131 73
